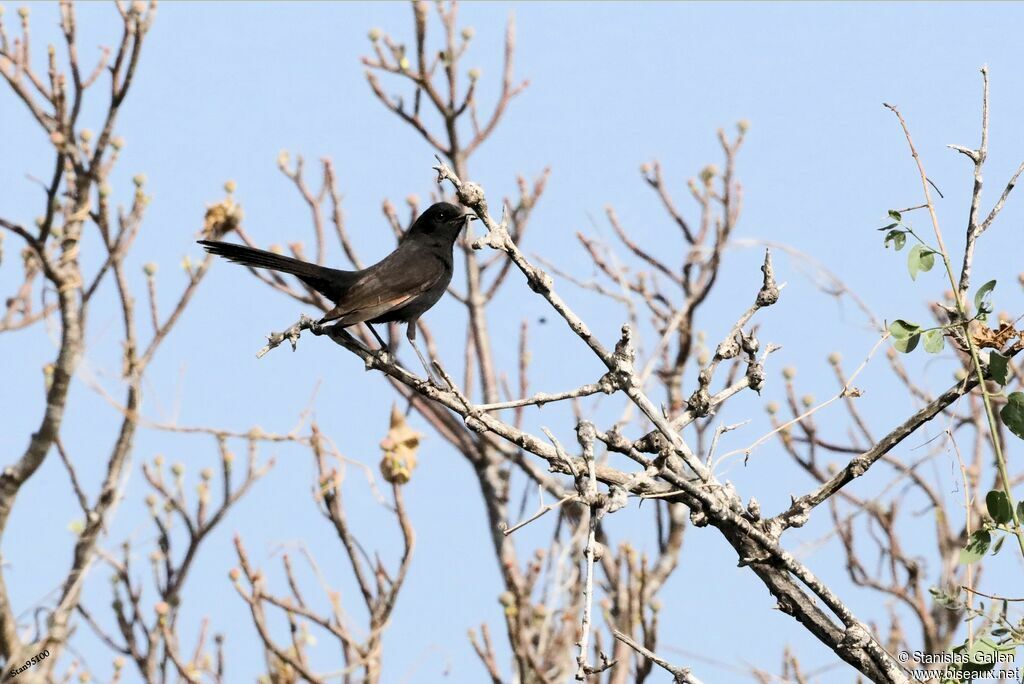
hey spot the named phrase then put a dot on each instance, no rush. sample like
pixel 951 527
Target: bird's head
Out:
pixel 443 221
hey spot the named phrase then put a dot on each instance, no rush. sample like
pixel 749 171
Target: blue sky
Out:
pixel 223 87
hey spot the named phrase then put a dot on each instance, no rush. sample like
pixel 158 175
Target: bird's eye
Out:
pixel 442 215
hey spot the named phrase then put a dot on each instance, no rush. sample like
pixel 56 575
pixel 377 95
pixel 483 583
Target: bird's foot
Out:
pixel 382 355
pixel 431 381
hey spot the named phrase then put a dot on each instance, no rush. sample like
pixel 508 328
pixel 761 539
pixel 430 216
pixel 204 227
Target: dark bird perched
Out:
pixel 400 287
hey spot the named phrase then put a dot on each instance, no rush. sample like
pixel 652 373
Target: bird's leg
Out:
pixel 410 333
pixel 384 348
pixel 383 344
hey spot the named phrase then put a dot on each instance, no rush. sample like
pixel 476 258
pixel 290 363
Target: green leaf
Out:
pixel 998 367
pixel 934 341
pixel 948 600
pixel 977 547
pixel 897 237
pixel 905 335
pixel 998 545
pixel 895 215
pixel 982 657
pixel 888 227
pixel 901 328
pixel 1020 511
pixel 906 344
pixel 1013 413
pixel 980 304
pixel 919 260
pixel 999 506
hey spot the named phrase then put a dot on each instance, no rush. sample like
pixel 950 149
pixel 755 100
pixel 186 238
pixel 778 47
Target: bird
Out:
pixel 401 287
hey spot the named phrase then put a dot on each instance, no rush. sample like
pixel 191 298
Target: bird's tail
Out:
pixel 329 281
pixel 250 256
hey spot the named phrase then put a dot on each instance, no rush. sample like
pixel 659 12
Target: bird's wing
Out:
pixel 387 286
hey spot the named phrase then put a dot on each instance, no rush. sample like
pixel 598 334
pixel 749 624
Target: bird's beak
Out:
pixel 464 218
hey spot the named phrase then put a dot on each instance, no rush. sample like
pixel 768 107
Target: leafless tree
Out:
pixel 586 604
pixel 67 283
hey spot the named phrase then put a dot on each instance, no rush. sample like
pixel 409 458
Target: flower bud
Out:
pixel 374 35
pixel 468 33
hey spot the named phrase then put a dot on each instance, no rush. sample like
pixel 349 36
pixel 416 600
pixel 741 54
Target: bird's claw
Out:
pixel 431 381
pixel 382 355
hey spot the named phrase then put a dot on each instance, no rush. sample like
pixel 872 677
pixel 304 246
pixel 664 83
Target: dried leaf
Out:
pixel 221 219
pixel 995 339
pixel 400 446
